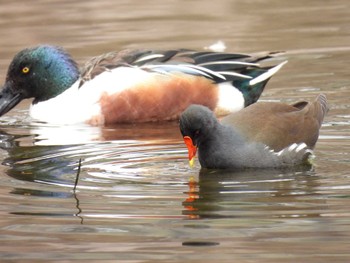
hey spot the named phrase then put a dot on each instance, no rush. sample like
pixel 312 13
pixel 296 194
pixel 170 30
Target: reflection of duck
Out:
pixel 132 85
pixel 41 172
pixel 47 158
pixel 32 163
pixel 231 194
pixel 265 134
pixel 49 134
pixel 37 163
pixel 35 166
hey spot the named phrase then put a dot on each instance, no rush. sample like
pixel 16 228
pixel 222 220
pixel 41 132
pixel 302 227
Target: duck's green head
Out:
pixel 41 73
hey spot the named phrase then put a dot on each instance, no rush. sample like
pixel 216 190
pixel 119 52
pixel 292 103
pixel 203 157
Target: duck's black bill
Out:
pixel 8 98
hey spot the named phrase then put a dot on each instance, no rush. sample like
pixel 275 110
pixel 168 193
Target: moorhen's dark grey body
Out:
pixel 265 134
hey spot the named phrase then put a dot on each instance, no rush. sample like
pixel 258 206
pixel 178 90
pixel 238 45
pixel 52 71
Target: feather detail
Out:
pixel 208 64
pixel 294 154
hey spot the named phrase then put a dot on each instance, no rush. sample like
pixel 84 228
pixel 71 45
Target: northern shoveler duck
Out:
pixel 131 85
pixel 264 134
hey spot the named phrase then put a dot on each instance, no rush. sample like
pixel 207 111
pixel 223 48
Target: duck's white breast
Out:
pixel 79 105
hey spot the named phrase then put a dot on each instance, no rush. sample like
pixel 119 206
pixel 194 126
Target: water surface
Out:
pixel 136 199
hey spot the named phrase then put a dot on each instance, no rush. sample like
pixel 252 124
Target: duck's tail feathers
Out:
pixel 253 87
pixel 267 74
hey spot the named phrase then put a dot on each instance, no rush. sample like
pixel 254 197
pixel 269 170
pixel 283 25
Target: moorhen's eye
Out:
pixel 196 132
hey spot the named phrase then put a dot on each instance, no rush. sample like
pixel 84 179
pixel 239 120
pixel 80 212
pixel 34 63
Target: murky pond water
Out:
pixel 136 199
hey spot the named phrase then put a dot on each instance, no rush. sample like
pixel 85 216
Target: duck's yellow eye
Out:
pixel 25 70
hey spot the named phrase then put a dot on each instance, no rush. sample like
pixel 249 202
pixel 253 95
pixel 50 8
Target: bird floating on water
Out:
pixel 131 85
pixel 264 134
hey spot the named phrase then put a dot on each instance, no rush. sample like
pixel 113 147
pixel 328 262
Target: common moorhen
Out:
pixel 264 134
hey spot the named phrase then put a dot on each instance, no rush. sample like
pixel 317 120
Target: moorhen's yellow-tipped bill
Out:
pixel 192 150
pixel 264 134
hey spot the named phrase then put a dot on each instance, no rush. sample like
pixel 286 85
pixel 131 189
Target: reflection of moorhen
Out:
pixel 230 194
pixel 265 134
pixel 192 196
